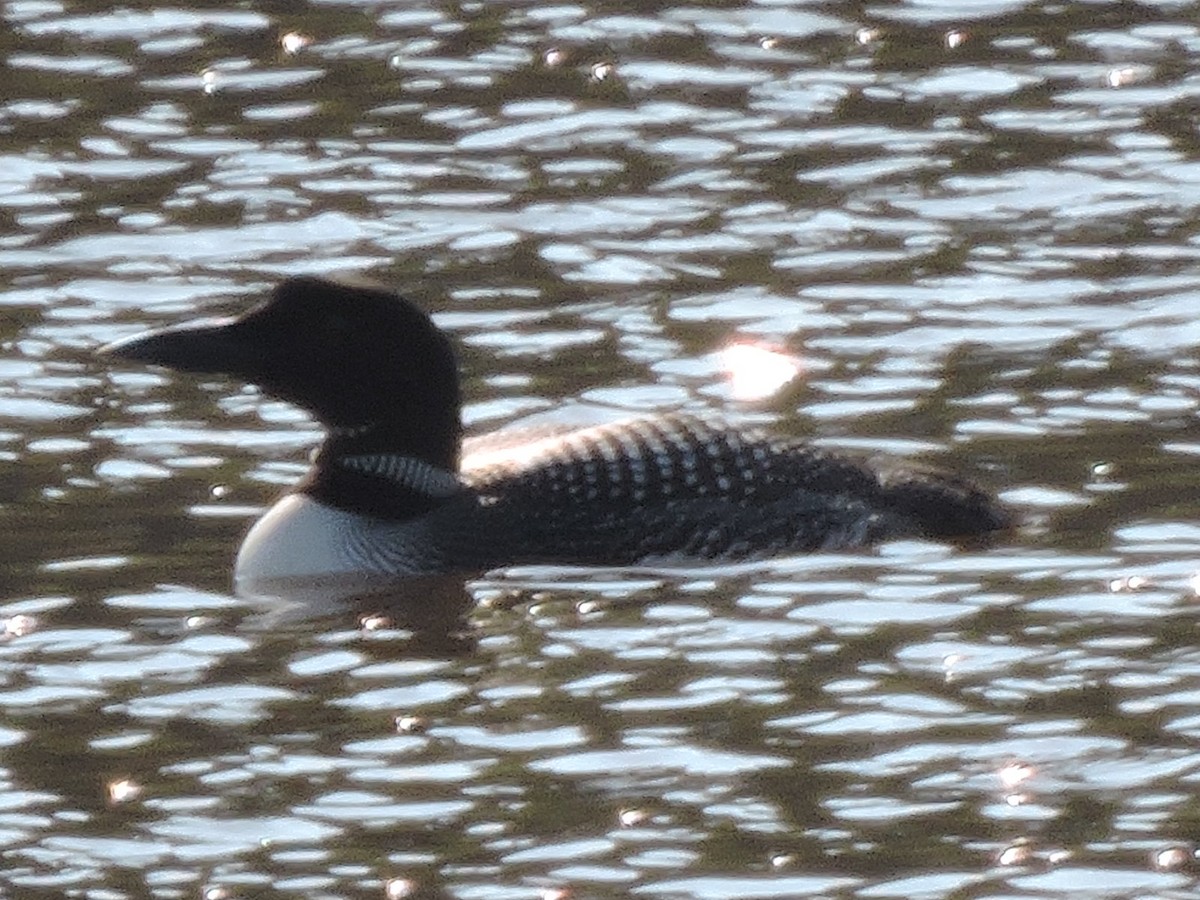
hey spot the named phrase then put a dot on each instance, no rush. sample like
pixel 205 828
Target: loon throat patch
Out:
pixel 405 473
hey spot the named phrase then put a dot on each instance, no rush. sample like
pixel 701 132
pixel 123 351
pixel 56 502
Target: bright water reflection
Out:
pixel 972 228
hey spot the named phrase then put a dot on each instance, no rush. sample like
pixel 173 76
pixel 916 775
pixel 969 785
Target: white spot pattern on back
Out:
pixel 673 485
pixel 645 461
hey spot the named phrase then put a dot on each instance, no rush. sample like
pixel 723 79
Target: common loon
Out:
pixel 386 493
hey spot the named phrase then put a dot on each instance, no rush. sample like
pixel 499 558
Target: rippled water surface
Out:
pixel 975 226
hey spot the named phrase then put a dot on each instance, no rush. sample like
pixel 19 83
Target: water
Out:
pixel 973 225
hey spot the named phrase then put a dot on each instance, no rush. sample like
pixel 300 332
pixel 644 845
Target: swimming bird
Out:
pixel 387 493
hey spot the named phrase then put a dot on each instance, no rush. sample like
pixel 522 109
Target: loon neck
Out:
pixel 385 470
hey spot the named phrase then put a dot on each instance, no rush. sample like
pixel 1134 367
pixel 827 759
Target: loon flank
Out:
pixel 387 494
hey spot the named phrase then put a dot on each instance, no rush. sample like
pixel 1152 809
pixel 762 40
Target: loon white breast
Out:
pixel 387 494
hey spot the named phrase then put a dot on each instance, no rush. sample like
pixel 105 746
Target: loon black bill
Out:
pixel 211 347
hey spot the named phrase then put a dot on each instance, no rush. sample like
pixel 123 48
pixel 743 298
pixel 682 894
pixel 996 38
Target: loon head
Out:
pixel 361 359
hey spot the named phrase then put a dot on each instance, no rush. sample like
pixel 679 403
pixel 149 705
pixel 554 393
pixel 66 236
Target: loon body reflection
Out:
pixel 387 494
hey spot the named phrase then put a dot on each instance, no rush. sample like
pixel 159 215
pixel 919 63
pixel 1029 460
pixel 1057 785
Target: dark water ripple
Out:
pixel 973 224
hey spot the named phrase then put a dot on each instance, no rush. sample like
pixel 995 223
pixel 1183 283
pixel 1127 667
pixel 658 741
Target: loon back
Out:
pixel 386 492
pixel 681 486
